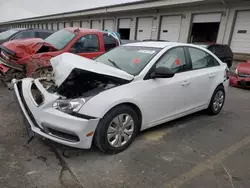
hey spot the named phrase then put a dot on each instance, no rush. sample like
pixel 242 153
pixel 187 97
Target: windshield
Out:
pixel 6 34
pixel 131 59
pixel 60 39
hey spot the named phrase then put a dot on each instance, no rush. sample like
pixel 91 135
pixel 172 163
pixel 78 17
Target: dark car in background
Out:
pixel 21 33
pixel 222 51
pixel 2 30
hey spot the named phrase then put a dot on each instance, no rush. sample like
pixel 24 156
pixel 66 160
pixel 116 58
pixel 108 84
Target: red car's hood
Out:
pixel 26 47
pixel 244 67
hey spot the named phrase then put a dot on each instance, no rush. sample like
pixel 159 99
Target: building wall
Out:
pixel 187 12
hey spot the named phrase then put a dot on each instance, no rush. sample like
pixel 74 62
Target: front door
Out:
pixel 87 46
pixel 167 97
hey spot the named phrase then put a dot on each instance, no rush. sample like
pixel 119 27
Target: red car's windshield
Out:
pixel 60 39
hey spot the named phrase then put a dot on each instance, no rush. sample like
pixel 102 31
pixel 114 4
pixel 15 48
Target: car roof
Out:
pixel 83 30
pixel 156 44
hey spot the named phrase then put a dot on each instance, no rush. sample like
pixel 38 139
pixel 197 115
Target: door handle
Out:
pixel 185 83
pixel 211 75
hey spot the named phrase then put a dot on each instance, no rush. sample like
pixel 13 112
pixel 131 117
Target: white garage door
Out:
pixel 96 24
pixel 55 26
pixel 67 24
pixel 76 24
pixel 44 26
pixel 124 23
pixel 144 28
pixel 207 18
pixel 49 26
pixel 109 25
pixel 241 35
pixel 40 26
pixel 85 24
pixel 60 26
pixel 170 28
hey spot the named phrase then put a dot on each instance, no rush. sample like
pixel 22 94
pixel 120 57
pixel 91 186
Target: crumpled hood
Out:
pixel 66 62
pixel 25 47
pixel 244 67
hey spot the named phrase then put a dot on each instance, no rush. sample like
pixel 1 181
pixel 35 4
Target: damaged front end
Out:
pixel 15 55
pixel 8 65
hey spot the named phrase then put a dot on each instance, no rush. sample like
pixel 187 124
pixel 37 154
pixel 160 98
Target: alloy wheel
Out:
pixel 120 130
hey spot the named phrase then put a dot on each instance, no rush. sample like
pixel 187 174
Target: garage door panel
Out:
pixel 96 24
pixel 109 25
pixel 144 28
pixel 207 18
pixel 124 23
pixel 241 35
pixel 76 24
pixel 170 28
pixel 85 24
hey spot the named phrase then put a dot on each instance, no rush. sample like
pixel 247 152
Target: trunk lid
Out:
pixel 65 63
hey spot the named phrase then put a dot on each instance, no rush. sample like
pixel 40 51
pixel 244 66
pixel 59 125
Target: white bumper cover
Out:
pixel 51 123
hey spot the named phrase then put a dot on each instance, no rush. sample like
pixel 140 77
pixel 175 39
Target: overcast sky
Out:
pixel 17 9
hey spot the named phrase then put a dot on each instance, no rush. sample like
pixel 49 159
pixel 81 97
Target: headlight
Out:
pixel 70 105
pixel 236 71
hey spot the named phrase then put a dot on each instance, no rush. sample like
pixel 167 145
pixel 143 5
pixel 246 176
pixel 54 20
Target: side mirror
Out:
pixel 162 72
pixel 72 50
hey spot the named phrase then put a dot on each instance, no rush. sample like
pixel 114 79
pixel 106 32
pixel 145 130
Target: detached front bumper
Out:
pixel 49 122
pixel 240 82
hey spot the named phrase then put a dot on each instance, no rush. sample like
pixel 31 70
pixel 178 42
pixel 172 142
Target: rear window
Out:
pixel 109 42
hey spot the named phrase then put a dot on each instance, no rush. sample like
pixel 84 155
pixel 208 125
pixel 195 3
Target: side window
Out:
pixel 87 44
pixel 201 59
pixel 109 42
pixel 24 35
pixel 173 59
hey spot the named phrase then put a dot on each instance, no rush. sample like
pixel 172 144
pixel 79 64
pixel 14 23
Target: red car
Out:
pixel 241 77
pixel 31 57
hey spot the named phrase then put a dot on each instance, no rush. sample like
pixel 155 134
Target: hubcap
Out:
pixel 218 101
pixel 120 130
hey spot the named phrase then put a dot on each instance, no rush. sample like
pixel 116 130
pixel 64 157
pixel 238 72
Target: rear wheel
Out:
pixel 217 101
pixel 117 129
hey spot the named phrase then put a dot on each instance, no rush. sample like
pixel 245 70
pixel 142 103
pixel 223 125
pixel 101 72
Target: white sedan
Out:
pixel 107 101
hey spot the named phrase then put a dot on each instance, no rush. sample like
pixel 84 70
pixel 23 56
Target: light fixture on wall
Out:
pixel 183 16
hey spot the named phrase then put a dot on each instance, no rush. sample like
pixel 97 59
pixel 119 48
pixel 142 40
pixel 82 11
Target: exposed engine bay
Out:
pixel 82 83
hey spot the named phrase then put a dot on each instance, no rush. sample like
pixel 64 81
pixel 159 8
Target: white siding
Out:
pixel 241 35
pixel 144 28
pixel 109 25
pixel 44 26
pixel 96 24
pixel 170 28
pixel 40 26
pixel 207 18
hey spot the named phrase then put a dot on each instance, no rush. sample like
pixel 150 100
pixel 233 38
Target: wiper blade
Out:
pixel 113 63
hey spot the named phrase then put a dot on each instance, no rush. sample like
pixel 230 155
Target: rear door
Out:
pixel 89 46
pixel 205 72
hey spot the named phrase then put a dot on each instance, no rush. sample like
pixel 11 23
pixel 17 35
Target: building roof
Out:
pixel 131 6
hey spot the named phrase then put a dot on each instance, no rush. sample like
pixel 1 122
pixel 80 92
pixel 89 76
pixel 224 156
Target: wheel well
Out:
pixel 134 107
pixel 220 85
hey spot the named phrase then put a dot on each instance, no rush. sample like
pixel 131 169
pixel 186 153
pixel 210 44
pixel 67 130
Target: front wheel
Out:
pixel 217 101
pixel 117 129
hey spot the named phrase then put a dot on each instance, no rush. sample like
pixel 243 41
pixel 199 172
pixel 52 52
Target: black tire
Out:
pixel 101 138
pixel 212 110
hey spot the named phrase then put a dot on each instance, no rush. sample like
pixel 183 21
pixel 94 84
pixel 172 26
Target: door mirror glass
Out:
pixel 162 72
